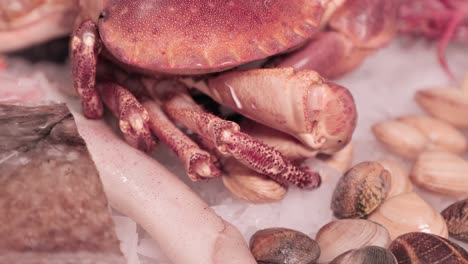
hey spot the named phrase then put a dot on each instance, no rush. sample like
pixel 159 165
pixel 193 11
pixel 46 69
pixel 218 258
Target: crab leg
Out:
pixel 228 139
pixel 322 115
pixel 198 163
pixel 86 47
pixel 133 118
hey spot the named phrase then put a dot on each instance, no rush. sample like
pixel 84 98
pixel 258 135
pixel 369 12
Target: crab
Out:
pixel 216 47
pixel 142 59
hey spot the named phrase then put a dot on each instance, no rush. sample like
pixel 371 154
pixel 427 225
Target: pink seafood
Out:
pixel 175 45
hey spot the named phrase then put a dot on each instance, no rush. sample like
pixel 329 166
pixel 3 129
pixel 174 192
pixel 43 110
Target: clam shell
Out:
pixel 419 247
pixel 400 182
pixel 249 185
pixel 400 138
pixel 408 212
pixel 282 245
pixel 450 105
pixel 442 135
pixel 442 172
pixel 360 190
pixel 456 217
pixel 366 255
pixel 340 236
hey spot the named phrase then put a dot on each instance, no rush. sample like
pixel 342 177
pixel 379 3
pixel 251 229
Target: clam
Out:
pixel 283 246
pixel 366 255
pixel 456 216
pixel 408 212
pixel 400 138
pixel 400 182
pixel 249 185
pixel 419 247
pixel 441 135
pixel 342 235
pixel 442 172
pixel 450 105
pixel 360 190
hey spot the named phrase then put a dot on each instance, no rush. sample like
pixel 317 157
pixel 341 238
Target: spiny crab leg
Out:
pixel 228 139
pixel 198 163
pixel 133 117
pixel 85 48
pixel 322 115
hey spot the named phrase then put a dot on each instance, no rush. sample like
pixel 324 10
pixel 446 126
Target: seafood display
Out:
pixel 209 123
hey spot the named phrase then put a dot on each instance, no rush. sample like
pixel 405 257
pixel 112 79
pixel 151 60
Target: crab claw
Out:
pixel 322 115
pixel 333 113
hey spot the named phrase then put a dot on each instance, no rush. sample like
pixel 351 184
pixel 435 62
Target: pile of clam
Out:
pixel 433 142
pixel 379 220
pixel 334 245
pixel 435 145
pixel 379 216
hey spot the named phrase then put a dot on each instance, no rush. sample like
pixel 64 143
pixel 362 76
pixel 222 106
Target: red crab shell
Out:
pixel 200 36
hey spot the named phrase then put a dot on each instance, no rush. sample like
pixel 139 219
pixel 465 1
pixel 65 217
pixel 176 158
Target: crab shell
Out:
pixel 191 37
